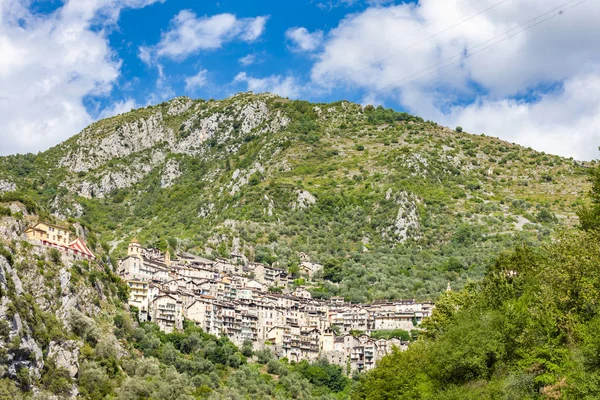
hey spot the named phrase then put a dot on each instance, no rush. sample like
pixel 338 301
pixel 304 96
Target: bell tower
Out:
pixel 134 249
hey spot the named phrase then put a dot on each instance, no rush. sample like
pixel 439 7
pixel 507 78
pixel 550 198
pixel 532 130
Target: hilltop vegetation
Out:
pixel 402 206
pixel 529 330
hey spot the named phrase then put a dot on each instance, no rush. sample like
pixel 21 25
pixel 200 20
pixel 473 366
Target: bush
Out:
pixel 459 129
pixel 56 379
pixel 55 255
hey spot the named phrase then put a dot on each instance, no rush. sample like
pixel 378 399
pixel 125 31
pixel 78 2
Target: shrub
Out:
pixel 55 256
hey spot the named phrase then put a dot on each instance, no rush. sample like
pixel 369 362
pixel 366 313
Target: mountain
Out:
pixel 396 206
pixel 530 329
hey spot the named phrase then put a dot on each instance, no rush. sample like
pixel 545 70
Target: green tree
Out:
pixel 333 270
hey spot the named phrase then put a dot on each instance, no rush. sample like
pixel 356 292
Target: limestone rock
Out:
pixel 7 186
pixel 65 355
pixel 179 105
pixel 170 174
pixel 95 148
pixel 304 200
pixel 407 219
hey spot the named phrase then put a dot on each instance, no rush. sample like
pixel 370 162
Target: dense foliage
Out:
pixel 530 329
pixel 194 365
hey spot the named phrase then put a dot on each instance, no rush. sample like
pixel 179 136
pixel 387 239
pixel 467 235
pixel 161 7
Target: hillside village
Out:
pixel 252 302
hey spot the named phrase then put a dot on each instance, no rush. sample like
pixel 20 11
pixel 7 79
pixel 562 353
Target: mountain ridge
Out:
pixel 279 177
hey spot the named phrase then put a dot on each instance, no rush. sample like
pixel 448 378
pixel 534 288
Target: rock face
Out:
pixel 96 148
pixel 179 105
pixel 66 355
pixel 22 339
pixel 118 153
pixel 304 199
pixel 28 355
pixel 170 174
pixel 407 219
pixel 6 186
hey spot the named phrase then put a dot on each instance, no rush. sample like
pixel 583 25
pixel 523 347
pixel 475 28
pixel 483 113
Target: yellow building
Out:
pixel 48 234
pixel 138 294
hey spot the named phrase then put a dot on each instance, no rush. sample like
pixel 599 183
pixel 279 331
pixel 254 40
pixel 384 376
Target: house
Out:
pixel 138 294
pixel 167 313
pixel 309 268
pixel 302 293
pixel 48 234
pixel 256 285
pixel 59 238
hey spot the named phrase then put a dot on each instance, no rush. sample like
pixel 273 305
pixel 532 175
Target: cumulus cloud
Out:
pixel 391 46
pixel 564 120
pixel 302 40
pixel 49 63
pixel 277 84
pixel 248 59
pixel 197 81
pixel 189 34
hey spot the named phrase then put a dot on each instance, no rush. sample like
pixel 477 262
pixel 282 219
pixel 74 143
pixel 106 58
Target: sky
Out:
pixel 527 71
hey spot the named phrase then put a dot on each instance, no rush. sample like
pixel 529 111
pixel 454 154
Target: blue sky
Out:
pixel 67 63
pixel 270 52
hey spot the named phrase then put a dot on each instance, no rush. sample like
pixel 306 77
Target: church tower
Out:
pixel 134 249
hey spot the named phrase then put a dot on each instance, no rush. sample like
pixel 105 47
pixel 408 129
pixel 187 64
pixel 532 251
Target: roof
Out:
pixel 78 245
pixel 52 225
pixel 134 240
pixel 47 224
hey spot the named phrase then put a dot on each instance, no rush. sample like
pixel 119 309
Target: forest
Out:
pixel 530 329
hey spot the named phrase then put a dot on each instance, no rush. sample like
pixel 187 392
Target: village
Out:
pixel 251 303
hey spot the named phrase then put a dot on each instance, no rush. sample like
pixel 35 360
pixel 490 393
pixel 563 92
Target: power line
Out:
pixel 424 40
pixel 561 10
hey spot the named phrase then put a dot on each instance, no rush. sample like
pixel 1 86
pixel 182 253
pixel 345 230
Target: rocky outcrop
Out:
pixel 7 186
pixel 120 177
pixel 241 178
pixel 304 200
pixel 171 172
pixel 179 105
pixel 406 224
pixel 95 148
pixel 27 354
pixel 66 355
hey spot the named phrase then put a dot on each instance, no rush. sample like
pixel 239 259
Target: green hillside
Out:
pixel 395 205
pixel 67 332
pixel 529 330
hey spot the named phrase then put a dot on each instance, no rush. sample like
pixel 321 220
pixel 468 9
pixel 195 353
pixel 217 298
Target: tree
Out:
pixel 247 348
pixel 589 216
pixel 459 129
pixel 332 270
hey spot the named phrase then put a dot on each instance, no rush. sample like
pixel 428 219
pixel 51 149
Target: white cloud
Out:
pixel 49 64
pixel 303 40
pixel 248 59
pixel 119 107
pixel 189 34
pixel 564 121
pixel 384 46
pixel 277 84
pixel 197 81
